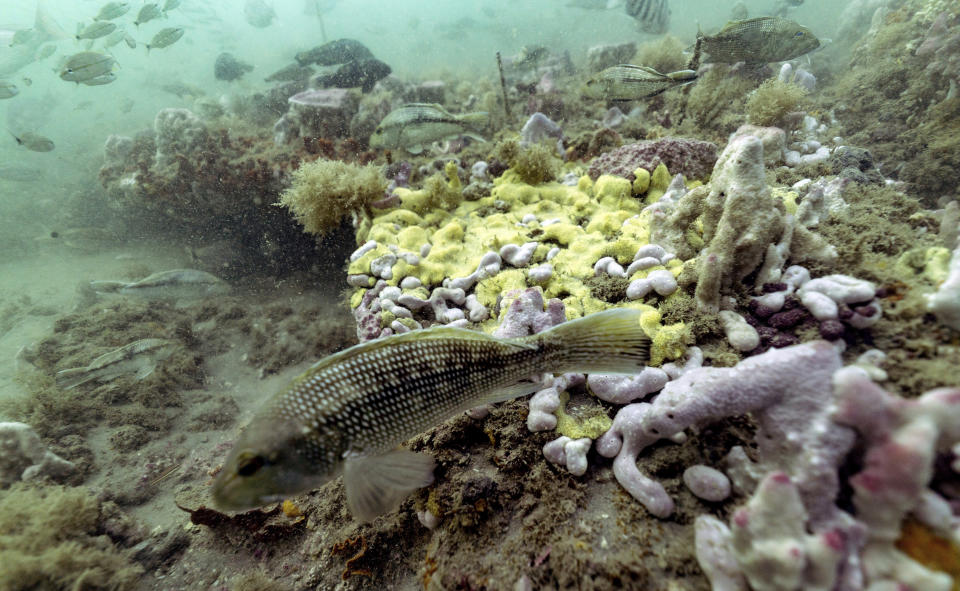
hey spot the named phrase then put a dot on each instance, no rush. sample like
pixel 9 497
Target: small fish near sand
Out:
pixel 139 358
pixel 165 38
pixel 176 284
pixel 757 41
pixel 415 125
pixel 628 83
pixel 350 412
pixel 652 16
pixel 34 142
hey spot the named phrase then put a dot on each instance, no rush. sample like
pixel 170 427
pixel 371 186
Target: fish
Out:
pixel 165 38
pixel 86 65
pixel 258 13
pixel 147 13
pixel 176 284
pixel 130 41
pixel 229 68
pixel 349 412
pixel 170 5
pixel 88 240
pixel 627 82
pixel 414 125
pixel 8 89
pixel 336 52
pixel 114 38
pixel 112 10
pixel 182 89
pixel 652 16
pixel 139 358
pixel 22 46
pixel 34 142
pixel 96 30
pixel 757 41
pixel 291 73
pixel 363 73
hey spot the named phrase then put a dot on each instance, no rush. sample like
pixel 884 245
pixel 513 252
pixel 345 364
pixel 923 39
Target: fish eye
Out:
pixel 248 464
pixel 799 34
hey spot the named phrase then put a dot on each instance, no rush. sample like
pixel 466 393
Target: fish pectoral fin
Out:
pixel 415 149
pixel 145 371
pixel 517 390
pixel 474 137
pixel 377 484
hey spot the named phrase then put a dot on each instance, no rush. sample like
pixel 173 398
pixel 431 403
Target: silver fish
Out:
pixel 114 38
pixel 350 411
pixel 170 5
pixel 34 142
pixel 165 38
pixel 147 13
pixel 652 16
pixel 139 358
pixel 112 10
pixel 8 89
pixel 258 13
pixel 415 125
pixel 96 30
pixel 21 46
pixel 175 284
pixel 86 65
pixel 627 82
pixel 757 40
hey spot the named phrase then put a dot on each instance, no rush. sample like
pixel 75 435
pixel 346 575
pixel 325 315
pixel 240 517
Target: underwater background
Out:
pixel 200 201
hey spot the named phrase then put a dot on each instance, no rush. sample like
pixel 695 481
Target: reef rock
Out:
pixel 694 159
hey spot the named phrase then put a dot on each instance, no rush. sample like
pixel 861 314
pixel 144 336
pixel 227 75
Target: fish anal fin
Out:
pixel 377 484
pixel 517 390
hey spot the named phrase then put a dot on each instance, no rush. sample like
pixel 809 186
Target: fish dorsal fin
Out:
pixel 415 336
pixel 646 69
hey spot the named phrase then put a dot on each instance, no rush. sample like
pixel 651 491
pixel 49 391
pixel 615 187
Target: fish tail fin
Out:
pixel 606 342
pixel 44 23
pixel 73 377
pixel 682 75
pixel 478 120
pixel 107 286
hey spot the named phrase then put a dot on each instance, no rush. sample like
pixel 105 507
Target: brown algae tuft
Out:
pixel 323 192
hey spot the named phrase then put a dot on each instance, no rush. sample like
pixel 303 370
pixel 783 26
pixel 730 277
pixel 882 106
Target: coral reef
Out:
pixel 692 158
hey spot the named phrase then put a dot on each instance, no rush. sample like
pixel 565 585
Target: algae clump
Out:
pixel 323 192
pixel 533 164
pixel 50 538
pixel 771 102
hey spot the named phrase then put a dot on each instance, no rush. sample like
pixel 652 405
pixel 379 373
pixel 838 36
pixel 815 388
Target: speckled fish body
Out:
pixel 415 125
pixel 139 358
pixel 350 411
pixel 758 40
pixel 627 82
pixel 171 285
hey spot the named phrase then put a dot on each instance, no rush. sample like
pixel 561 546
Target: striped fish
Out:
pixel 652 16
pixel 350 411
pixel 627 82
pixel 415 125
